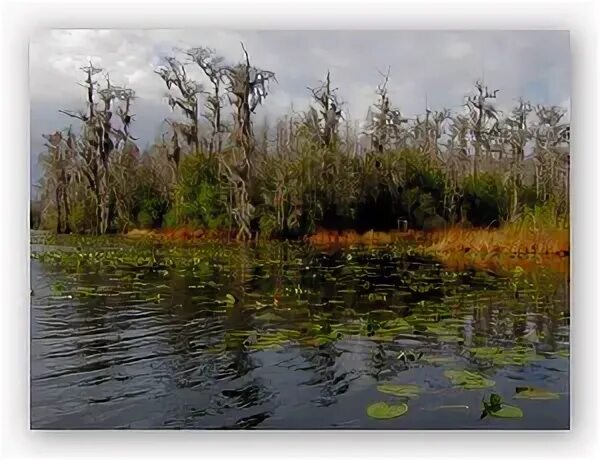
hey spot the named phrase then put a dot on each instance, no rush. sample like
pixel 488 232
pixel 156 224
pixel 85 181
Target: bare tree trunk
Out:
pixel 58 210
pixel 67 211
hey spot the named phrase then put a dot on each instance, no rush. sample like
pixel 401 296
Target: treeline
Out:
pixel 214 167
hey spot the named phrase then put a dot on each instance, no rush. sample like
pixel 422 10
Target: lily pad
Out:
pixel 516 356
pixel 407 391
pixel 496 408
pixel 507 411
pixel 383 410
pixel 469 380
pixel 535 393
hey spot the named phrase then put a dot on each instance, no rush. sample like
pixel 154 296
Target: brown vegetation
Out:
pixel 506 240
pixel 181 234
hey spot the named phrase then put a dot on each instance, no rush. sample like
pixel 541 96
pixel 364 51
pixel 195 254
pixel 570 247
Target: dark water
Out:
pixel 302 343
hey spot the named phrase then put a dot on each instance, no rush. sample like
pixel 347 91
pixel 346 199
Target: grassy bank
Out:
pixel 515 240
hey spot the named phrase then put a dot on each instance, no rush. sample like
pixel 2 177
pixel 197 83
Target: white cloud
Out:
pixel 458 50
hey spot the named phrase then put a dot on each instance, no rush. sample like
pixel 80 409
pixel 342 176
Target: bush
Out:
pixel 152 211
pixel 199 195
pixel 485 200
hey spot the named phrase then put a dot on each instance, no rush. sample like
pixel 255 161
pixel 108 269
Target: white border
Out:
pixel 19 20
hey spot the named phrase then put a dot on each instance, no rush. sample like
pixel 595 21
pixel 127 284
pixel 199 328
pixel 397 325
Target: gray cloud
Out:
pixel 440 66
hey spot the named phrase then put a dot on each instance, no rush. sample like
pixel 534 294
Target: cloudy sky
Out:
pixel 440 66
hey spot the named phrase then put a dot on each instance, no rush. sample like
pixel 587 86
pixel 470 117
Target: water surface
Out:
pixel 285 336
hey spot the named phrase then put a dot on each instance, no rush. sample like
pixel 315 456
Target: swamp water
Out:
pixel 287 336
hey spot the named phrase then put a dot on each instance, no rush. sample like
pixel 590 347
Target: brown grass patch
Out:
pixel 182 234
pixel 325 237
pixel 505 240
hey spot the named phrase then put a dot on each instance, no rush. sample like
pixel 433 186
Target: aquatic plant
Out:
pixel 468 380
pixel 495 407
pixel 384 411
pixel 407 391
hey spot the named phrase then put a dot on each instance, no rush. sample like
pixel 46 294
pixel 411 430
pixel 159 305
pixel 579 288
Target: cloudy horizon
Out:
pixel 437 67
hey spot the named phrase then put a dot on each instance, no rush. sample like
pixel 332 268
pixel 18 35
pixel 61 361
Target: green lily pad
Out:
pixel 382 410
pixel 516 356
pixel 507 411
pixel 535 393
pixel 469 380
pixel 407 391
pixel 496 408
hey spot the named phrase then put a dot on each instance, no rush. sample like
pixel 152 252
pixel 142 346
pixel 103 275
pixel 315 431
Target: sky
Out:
pixel 434 67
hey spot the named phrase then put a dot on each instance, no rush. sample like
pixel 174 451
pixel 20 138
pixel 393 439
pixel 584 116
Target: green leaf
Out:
pixel 407 391
pixel 507 411
pixel 495 400
pixel 382 410
pixel 535 393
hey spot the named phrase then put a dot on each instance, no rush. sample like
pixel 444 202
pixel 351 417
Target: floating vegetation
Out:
pixel 468 380
pixel 497 408
pixel 405 391
pixel 558 354
pixel 383 410
pixel 273 308
pixel 534 393
pixel 516 356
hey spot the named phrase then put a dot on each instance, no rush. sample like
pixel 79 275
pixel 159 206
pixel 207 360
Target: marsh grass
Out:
pixel 512 239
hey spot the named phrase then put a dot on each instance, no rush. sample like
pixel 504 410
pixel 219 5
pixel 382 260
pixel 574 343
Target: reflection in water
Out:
pixel 304 343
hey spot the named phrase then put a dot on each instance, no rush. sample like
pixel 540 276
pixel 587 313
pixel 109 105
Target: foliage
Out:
pixel 320 171
pixel 199 196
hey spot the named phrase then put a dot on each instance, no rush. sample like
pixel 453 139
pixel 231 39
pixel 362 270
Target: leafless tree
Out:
pixel 247 87
pixel 483 118
pixel 551 146
pixel 516 134
pixel 102 135
pixel 183 94
pixel 385 122
pixel 58 165
pixel 214 68
pixel 325 119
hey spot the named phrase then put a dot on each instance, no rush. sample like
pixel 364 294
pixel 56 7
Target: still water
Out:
pixel 286 336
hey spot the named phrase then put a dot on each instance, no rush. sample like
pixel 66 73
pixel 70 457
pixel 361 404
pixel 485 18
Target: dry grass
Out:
pixel 503 263
pixel 350 237
pixel 181 234
pixel 506 240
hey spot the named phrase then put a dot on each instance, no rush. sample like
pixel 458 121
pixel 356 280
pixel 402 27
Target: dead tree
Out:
pixel 482 113
pixel 213 67
pixel 101 136
pixel 247 87
pixel 326 118
pixel 185 98
pixel 428 131
pixel 517 135
pixel 552 151
pixel 58 168
pixel 385 122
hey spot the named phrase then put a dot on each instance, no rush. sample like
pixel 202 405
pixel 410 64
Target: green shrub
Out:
pixel 485 200
pixel 199 195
